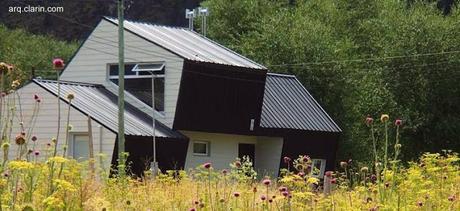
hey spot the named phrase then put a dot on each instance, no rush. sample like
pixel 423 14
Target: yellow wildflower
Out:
pixel 64 185
pixel 3 183
pixel 313 180
pixel 58 159
pixel 20 165
pixel 53 202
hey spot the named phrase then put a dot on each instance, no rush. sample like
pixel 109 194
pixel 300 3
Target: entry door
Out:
pixel 247 150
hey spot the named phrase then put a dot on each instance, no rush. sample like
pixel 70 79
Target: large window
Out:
pixel 201 148
pixel 79 146
pixel 138 81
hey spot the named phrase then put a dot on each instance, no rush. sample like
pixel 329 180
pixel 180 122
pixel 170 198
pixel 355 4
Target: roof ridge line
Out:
pixel 112 19
pixel 281 75
pixel 68 82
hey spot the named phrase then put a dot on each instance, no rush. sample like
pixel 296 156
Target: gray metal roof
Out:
pixel 102 106
pixel 287 104
pixel 188 44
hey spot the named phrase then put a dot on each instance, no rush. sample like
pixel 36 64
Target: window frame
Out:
pixel 322 168
pixel 137 76
pixel 208 148
pixel 71 146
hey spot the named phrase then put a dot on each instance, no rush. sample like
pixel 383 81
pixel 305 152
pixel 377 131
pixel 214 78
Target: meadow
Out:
pixel 47 180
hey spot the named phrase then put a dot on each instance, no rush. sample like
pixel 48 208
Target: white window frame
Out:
pixel 208 147
pixel 137 75
pixel 71 146
pixel 322 168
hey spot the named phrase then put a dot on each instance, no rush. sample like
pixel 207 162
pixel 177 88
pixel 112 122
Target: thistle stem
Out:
pixel 386 148
pixel 59 113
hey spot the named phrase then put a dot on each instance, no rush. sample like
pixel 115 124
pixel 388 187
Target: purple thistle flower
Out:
pixel 285 193
pixel 207 165
pixel 266 182
pixel 282 189
pixel 287 159
pixel 236 194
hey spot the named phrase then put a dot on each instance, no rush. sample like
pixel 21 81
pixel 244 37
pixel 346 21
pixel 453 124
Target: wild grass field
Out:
pixel 47 180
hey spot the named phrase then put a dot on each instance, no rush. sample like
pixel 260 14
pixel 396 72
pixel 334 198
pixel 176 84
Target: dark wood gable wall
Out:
pixel 219 98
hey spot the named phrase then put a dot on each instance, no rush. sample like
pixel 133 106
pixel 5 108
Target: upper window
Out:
pixel 201 148
pixel 138 81
pixel 319 166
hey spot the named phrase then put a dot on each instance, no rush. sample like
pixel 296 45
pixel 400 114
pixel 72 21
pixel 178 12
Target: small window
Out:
pixel 79 146
pixel 201 148
pixel 319 166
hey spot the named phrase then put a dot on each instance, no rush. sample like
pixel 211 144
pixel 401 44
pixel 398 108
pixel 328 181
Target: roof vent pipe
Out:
pixel 203 12
pixel 190 15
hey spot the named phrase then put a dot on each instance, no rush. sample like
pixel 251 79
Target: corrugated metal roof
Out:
pixel 287 104
pixel 188 44
pixel 102 106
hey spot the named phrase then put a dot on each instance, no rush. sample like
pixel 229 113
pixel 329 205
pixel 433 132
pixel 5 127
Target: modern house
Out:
pixel 211 104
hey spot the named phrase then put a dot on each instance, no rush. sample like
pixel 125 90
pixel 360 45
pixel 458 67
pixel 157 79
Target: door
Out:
pixel 247 150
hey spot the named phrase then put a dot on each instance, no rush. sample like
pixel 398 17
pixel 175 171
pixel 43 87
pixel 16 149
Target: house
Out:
pixel 211 104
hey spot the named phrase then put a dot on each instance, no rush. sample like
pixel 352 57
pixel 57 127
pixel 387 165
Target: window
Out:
pixel 319 166
pixel 201 148
pixel 79 146
pixel 138 81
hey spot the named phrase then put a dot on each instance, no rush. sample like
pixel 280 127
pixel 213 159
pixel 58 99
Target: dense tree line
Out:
pixel 359 58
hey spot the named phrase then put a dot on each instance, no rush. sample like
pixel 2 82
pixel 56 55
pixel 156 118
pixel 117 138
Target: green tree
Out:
pixel 26 51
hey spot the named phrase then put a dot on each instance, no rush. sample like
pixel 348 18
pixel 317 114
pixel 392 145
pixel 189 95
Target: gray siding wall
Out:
pixel 101 48
pixel 46 125
pixel 268 155
pixel 224 150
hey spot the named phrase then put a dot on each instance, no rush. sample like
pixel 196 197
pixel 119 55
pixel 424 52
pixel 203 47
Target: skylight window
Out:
pixel 138 81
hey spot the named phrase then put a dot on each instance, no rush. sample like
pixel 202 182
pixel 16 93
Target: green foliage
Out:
pixel 27 51
pixel 357 58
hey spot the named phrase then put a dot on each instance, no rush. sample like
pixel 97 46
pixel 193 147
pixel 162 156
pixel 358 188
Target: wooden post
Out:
pixel 327 185
pixel 91 150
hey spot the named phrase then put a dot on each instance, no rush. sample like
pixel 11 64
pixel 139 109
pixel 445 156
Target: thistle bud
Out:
pixel 369 120
pixel 384 117
pixel 20 140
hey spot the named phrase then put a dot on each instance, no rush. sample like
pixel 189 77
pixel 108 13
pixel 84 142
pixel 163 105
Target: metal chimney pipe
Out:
pixel 190 15
pixel 203 12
